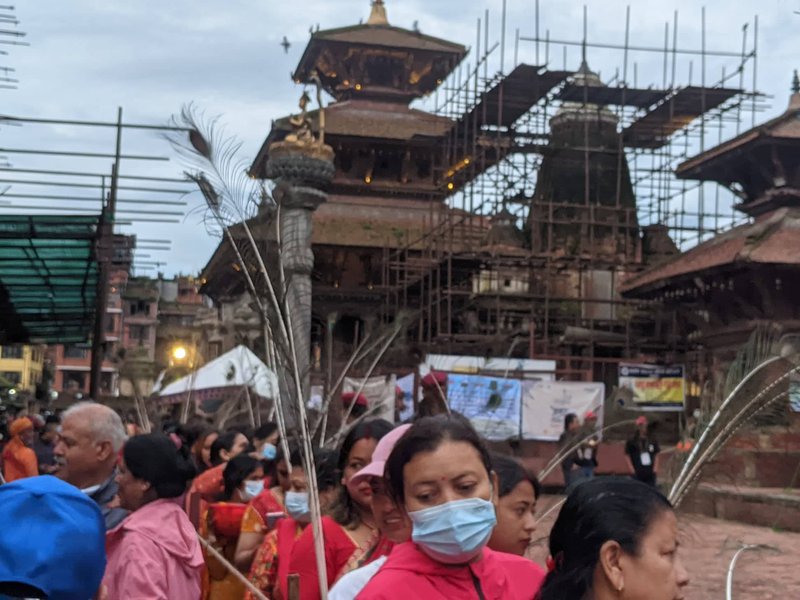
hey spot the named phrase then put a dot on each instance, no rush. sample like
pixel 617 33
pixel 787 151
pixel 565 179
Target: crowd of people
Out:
pixel 420 510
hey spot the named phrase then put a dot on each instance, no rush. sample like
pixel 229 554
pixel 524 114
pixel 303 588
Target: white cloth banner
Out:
pixel 379 392
pixel 546 403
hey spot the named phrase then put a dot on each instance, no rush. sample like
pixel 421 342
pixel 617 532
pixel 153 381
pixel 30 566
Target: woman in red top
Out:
pixel 350 534
pixel 268 569
pixel 440 472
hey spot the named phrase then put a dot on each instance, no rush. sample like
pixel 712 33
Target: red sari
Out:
pixel 268 573
pixel 207 487
pixel 342 555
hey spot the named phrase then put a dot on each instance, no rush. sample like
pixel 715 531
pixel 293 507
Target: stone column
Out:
pixel 302 170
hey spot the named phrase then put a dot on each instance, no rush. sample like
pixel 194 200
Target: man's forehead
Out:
pixel 75 426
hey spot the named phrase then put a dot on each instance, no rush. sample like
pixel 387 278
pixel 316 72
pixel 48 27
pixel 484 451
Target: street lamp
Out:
pixel 179 353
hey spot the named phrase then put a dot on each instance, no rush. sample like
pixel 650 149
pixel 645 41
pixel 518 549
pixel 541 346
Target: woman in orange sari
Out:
pixel 351 537
pixel 268 570
pixel 264 510
pixel 220 525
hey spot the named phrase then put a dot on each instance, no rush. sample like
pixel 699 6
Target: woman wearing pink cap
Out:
pixel 392 522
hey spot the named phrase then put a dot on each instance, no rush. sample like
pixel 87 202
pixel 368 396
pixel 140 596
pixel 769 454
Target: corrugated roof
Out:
pixel 48 278
pixel 654 129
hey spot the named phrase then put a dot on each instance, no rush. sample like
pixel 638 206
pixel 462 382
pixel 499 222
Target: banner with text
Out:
pixel 546 403
pixel 491 404
pixel 654 387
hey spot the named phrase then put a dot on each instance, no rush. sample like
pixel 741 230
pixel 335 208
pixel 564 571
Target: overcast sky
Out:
pixel 86 57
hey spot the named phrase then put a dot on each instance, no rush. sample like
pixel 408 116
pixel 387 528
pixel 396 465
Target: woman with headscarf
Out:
pixel 154 553
pixel 19 459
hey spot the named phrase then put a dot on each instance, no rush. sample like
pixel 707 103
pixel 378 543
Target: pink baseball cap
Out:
pixel 381 455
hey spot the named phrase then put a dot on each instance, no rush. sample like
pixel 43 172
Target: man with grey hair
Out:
pixel 89 442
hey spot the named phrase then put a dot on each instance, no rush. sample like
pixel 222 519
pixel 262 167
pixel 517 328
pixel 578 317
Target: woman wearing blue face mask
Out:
pixel 263 510
pixel 270 568
pixel 243 479
pixel 265 441
pixel 440 473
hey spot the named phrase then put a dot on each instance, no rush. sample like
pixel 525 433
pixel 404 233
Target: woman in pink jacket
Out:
pixel 154 553
pixel 440 473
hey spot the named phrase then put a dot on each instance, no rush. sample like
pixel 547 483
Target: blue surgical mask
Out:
pixel 253 489
pixel 269 452
pixel 297 505
pixel 455 532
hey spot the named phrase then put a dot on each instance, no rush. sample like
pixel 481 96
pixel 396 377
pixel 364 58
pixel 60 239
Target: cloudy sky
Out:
pixel 86 57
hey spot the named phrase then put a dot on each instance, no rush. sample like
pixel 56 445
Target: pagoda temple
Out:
pixel 721 290
pixel 387 191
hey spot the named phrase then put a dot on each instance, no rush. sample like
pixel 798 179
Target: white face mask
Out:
pixel 252 489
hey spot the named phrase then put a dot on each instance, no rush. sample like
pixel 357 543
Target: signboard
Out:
pixel 654 387
pixel 546 403
pixel 491 404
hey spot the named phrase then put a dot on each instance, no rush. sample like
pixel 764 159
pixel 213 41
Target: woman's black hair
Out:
pixel 345 511
pixel 568 420
pixel 225 441
pixel 236 471
pixel 597 511
pixel 266 430
pixel 328 474
pixel 510 473
pixel 155 458
pixel 426 435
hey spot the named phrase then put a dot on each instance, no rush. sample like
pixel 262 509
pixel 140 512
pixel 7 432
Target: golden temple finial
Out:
pixel 378 14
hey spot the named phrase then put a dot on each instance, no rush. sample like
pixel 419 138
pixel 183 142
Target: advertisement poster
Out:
pixel 491 404
pixel 654 387
pixel 546 403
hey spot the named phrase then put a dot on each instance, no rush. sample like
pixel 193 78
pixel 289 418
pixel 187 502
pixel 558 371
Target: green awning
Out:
pixel 48 278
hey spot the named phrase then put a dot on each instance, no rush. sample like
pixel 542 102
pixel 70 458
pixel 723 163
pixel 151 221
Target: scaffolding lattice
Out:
pixel 562 300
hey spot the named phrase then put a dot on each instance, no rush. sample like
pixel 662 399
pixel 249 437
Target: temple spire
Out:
pixel 378 14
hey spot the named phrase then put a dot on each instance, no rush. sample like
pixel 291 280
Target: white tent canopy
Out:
pixel 236 368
